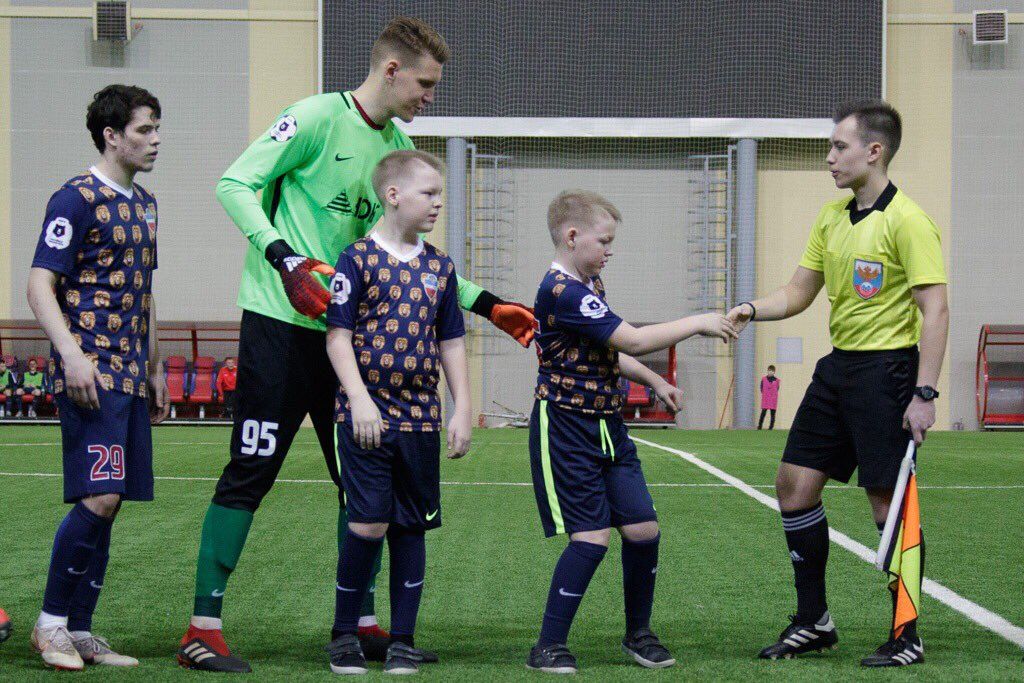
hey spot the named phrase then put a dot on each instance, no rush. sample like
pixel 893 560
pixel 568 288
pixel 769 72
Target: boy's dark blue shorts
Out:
pixel 109 450
pixel 398 483
pixel 586 474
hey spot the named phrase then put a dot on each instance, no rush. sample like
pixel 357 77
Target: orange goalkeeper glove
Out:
pixel 515 320
pixel 305 293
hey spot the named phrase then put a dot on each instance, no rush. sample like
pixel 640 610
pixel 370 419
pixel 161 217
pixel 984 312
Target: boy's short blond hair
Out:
pixel 580 207
pixel 409 38
pixel 391 168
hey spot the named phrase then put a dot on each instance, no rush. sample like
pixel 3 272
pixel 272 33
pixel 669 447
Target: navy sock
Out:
pixel 73 548
pixel 639 570
pixel 572 575
pixel 807 538
pixel 408 565
pixel 355 569
pixel 83 602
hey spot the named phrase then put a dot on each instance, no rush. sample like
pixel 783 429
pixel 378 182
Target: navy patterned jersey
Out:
pixel 399 310
pixel 102 245
pixel 578 370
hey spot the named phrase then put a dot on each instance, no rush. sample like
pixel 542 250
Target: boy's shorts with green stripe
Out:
pixel 586 474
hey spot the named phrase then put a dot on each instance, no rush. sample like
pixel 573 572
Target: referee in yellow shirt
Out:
pixel 879 258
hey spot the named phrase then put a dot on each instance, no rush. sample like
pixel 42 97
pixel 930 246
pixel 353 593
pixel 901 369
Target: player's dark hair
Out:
pixel 113 107
pixel 408 38
pixel 877 121
pixel 772 368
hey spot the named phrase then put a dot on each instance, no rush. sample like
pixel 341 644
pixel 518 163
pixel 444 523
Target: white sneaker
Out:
pixel 96 650
pixel 54 644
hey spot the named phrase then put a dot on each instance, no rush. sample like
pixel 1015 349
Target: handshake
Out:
pixel 727 326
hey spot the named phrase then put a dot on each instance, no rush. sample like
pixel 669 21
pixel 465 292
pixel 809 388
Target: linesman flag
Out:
pixel 901 552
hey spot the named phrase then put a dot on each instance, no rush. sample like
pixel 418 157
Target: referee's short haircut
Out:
pixel 409 38
pixel 579 207
pixel 877 121
pixel 396 164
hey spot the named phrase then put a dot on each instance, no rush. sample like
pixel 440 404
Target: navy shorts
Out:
pixel 586 474
pixel 109 450
pixel 851 417
pixel 398 483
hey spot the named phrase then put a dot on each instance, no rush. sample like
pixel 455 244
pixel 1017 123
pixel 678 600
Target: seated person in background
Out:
pixel 32 385
pixel 8 383
pixel 226 379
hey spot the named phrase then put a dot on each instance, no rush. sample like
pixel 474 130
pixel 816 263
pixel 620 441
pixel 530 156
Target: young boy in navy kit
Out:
pixel 393 321
pixel 586 474
pixel 90 288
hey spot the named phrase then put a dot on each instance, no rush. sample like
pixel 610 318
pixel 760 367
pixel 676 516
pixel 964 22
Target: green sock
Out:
pixel 224 534
pixel 368 609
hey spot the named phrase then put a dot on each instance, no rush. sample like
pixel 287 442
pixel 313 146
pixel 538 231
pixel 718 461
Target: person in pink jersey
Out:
pixel 769 397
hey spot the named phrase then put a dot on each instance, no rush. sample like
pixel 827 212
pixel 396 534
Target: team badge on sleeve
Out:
pixel 58 233
pixel 867 278
pixel 340 289
pixel 284 129
pixel 592 307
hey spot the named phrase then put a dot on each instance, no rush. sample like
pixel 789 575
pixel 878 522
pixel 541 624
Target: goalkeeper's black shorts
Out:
pixel 852 416
pixel 284 374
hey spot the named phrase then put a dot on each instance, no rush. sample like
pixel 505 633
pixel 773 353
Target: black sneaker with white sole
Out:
pixel 646 650
pixel 799 639
pixel 402 659
pixel 346 655
pixel 552 659
pixel 900 651
pixel 200 655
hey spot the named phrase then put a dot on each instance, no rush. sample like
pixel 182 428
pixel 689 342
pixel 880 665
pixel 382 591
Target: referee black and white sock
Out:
pixel 807 538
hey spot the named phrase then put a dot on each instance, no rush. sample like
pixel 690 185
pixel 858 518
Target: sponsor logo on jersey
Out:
pixel 867 278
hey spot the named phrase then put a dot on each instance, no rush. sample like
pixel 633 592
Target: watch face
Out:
pixel 927 393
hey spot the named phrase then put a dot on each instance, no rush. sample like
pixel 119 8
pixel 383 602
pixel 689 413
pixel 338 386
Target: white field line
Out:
pixel 973 611
pixel 520 484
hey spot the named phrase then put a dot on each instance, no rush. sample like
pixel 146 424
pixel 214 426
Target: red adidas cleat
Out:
pixel 205 650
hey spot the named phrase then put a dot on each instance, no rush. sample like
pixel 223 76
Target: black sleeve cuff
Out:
pixel 484 304
pixel 277 251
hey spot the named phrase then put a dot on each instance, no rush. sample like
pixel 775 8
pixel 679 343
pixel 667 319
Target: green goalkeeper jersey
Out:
pixel 314 165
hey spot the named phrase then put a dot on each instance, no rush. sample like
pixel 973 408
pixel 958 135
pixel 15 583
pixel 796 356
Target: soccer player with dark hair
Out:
pixel 394 322
pixel 90 288
pixel 586 474
pixel 314 167
pixel 879 257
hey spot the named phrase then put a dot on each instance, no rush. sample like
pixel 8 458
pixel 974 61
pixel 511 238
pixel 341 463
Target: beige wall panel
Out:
pixel 5 165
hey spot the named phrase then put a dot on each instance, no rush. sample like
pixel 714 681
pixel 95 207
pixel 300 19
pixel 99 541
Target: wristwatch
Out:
pixel 926 393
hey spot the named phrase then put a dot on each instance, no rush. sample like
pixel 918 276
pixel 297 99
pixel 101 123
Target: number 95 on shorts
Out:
pixel 109 450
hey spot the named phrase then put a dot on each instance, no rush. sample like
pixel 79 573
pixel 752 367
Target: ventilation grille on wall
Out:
pixel 990 27
pixel 111 20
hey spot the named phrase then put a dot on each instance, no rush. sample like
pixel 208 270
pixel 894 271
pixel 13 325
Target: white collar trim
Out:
pixel 394 252
pixel 555 265
pixel 107 181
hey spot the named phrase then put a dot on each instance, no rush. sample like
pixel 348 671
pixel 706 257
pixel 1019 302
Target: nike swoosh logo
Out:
pixel 565 594
pixel 71 570
pixel 654 571
pixel 217 594
pixel 431 515
pixel 96 585
pixel 347 590
pixel 414 585
pixel 338 157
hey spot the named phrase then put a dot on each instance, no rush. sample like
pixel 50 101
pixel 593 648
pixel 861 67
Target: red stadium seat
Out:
pixel 175 381
pixel 638 397
pixel 202 384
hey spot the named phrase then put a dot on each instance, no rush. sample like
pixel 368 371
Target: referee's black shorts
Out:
pixel 284 374
pixel 852 416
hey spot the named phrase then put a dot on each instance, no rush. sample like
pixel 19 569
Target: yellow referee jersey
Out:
pixel 871 258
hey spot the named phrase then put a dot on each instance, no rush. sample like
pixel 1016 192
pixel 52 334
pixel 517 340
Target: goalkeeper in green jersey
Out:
pixel 314 166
